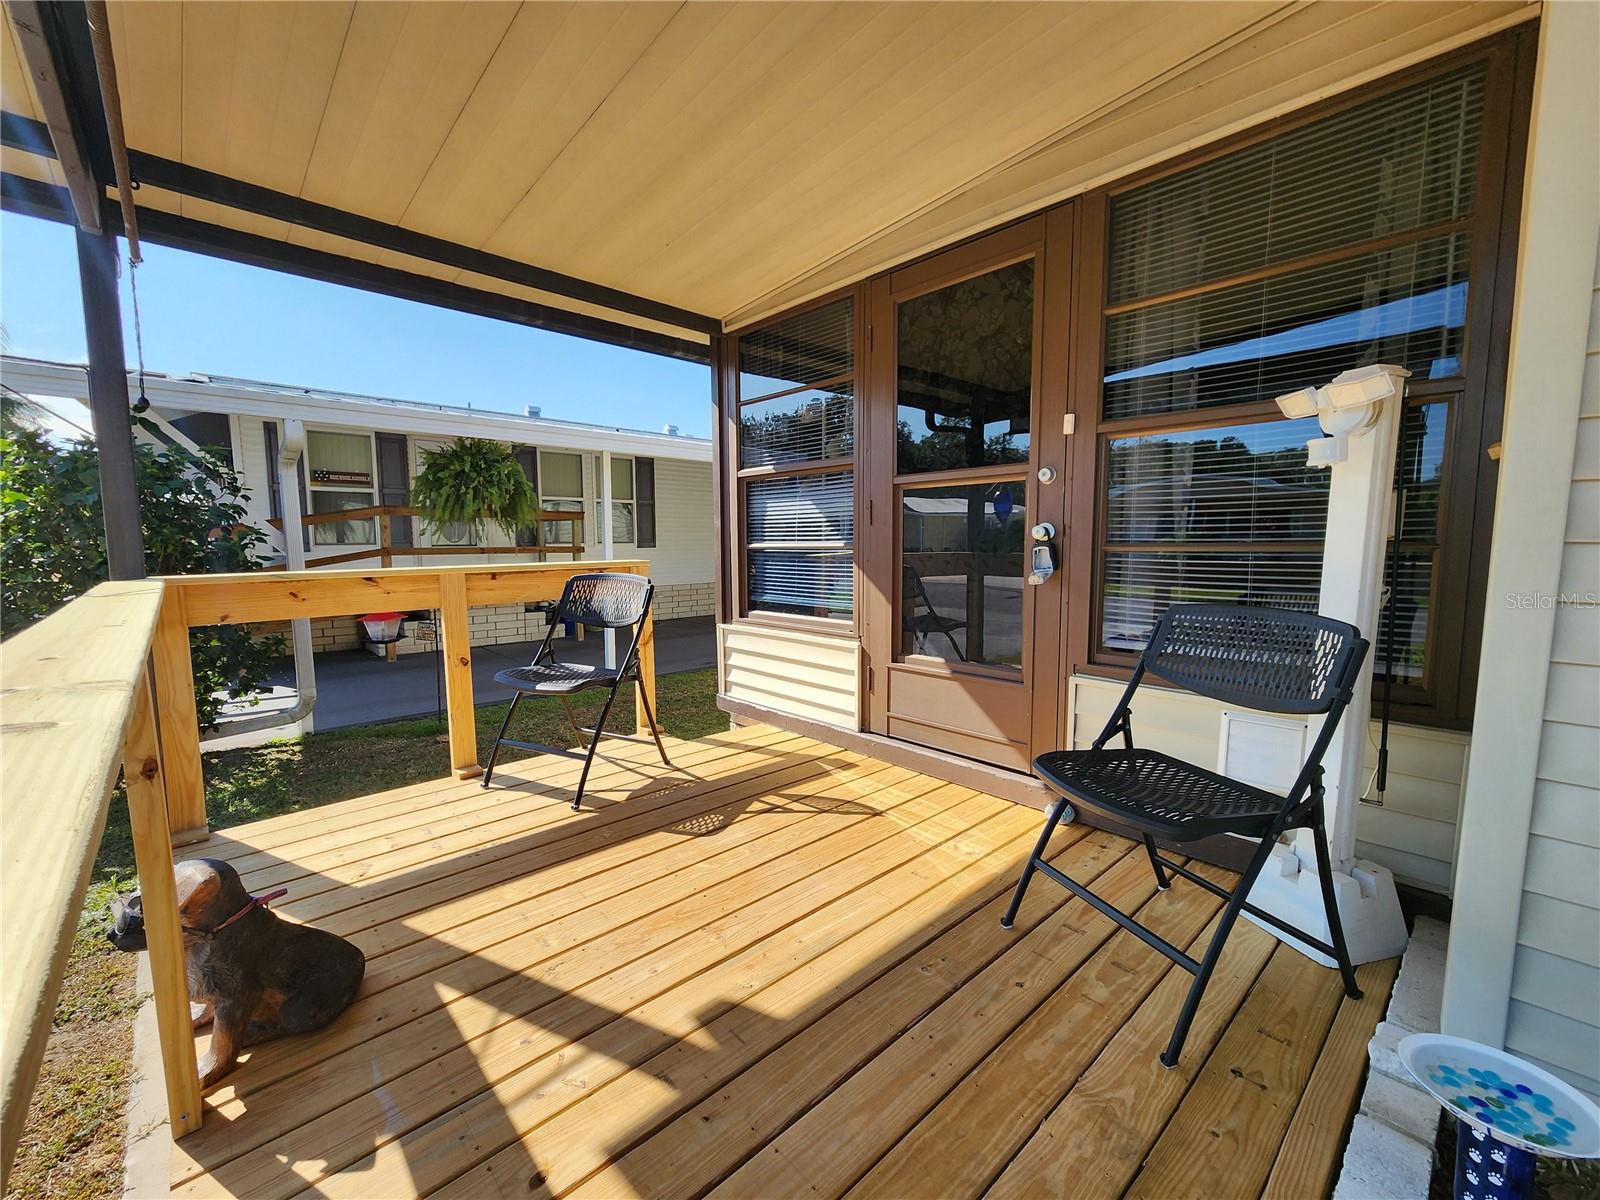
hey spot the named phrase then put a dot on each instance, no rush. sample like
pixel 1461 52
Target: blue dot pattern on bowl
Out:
pixel 1513 1108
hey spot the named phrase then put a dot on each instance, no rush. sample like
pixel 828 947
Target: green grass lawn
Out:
pixel 72 1146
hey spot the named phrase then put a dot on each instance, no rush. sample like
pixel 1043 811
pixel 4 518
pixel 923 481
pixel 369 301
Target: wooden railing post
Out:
pixel 142 769
pixel 179 721
pixel 457 638
pixel 647 674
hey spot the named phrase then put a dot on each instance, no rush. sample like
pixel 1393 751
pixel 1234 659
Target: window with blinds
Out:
pixel 1338 244
pixel 797 418
pixel 1341 242
pixel 1222 516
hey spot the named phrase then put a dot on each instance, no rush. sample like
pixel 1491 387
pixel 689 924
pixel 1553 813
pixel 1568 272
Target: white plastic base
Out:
pixel 1369 908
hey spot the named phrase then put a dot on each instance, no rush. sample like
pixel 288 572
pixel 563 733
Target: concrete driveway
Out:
pixel 355 687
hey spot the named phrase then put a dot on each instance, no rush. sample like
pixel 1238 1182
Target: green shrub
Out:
pixel 472 482
pixel 52 544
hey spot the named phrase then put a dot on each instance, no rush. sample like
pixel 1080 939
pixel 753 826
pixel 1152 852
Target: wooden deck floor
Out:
pixel 776 970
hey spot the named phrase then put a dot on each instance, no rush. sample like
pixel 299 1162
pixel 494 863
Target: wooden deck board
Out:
pixel 774 969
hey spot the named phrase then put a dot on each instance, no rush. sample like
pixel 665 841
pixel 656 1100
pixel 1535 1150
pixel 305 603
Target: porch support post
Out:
pixel 108 402
pixel 607 542
pixel 1546 394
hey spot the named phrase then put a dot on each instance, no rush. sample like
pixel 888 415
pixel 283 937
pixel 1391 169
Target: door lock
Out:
pixel 1042 563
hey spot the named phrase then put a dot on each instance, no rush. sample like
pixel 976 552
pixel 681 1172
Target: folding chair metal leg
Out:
pixel 594 742
pixel 1230 914
pixel 644 698
pixel 1335 927
pixel 1162 882
pixel 494 750
pixel 1057 810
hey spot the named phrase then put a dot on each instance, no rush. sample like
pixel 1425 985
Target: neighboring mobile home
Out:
pixel 999 302
pixel 362 451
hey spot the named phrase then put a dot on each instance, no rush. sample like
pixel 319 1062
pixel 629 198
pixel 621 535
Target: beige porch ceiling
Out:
pixel 726 158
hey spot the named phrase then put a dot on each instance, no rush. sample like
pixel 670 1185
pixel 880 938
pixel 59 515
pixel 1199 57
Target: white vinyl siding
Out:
pixel 812 676
pixel 1554 1015
pixel 255 472
pixel 685 548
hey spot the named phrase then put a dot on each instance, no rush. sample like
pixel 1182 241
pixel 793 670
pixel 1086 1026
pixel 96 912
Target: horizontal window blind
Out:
pixel 799 531
pixel 1186 512
pixel 803 426
pixel 799 524
pixel 1245 483
pixel 1405 305
pixel 801 509
pixel 1340 243
pixel 1405 161
pixel 1140 585
pixel 798 351
pixel 1334 245
pixel 812 583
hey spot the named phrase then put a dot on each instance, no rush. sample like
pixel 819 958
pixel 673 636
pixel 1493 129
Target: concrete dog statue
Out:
pixel 253 974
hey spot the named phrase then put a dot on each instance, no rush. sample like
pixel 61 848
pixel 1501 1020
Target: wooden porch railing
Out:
pixel 78 706
pixel 385 551
pixel 107 682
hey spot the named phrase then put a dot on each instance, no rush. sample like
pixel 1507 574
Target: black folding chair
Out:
pixel 922 619
pixel 600 601
pixel 1263 658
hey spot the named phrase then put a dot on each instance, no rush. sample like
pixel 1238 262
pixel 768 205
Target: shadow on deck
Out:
pixel 775 969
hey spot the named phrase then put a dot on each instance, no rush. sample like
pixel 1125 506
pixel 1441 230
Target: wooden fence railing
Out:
pixel 385 550
pixel 106 683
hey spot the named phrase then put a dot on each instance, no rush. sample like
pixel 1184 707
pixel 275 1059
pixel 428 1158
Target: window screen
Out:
pixel 800 531
pixel 1226 516
pixel 1334 245
pixel 796 415
pixel 1340 243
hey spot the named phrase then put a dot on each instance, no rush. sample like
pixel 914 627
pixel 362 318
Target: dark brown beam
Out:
pixel 36 35
pixel 31 198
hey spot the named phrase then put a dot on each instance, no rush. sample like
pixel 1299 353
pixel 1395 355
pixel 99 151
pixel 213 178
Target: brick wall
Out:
pixel 675 600
pixel 493 625
pixel 490 625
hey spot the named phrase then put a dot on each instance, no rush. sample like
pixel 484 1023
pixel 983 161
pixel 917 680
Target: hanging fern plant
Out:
pixel 473 482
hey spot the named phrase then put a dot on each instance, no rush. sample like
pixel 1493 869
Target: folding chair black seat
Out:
pixel 1159 794
pixel 599 600
pixel 1262 658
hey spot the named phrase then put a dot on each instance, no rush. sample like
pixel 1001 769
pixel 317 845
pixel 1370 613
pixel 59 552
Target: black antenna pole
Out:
pixel 1391 621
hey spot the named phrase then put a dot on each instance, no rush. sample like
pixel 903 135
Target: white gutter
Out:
pixel 305 671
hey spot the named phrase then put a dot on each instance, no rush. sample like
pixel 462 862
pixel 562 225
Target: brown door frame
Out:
pixel 1048 240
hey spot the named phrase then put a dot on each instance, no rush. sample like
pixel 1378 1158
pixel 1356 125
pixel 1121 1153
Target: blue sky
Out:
pixel 218 318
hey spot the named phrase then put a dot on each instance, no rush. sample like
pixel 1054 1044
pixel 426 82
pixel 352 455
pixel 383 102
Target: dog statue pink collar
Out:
pixel 255 903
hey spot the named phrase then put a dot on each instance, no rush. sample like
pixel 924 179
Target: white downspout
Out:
pixel 305 672
pixel 607 546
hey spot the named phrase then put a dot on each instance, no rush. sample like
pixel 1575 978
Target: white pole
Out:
pixel 607 545
pixel 305 671
pixel 1361 412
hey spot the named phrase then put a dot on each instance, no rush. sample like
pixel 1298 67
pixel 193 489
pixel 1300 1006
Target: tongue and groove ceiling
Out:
pixel 728 159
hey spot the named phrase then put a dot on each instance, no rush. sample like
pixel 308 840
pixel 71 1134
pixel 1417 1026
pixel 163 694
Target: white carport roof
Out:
pixel 249 397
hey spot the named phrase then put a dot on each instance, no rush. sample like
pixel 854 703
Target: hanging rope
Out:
pixel 142 404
